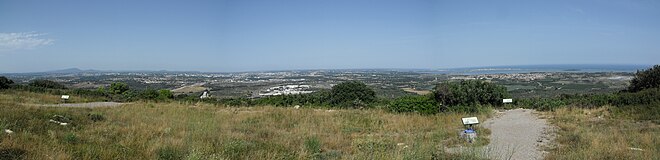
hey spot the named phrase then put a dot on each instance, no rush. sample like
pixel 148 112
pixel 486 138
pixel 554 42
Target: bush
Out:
pixel 5 82
pixel 118 88
pixel 420 104
pixel 46 84
pixel 165 94
pixel 149 94
pixel 645 79
pixel 318 98
pixel 469 93
pixel 643 97
pixel 352 94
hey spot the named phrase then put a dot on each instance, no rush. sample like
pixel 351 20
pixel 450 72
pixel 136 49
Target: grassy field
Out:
pixel 144 130
pixel 603 133
pixel 174 130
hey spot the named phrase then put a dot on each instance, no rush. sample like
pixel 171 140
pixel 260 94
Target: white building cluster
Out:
pixel 286 89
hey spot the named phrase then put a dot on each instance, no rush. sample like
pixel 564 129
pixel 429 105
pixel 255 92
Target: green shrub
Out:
pixel 165 94
pixel 352 94
pixel 469 93
pixel 118 88
pixel 420 104
pixel 643 97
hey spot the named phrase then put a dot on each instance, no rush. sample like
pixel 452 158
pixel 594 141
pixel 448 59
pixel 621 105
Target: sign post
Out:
pixel 469 133
pixel 65 98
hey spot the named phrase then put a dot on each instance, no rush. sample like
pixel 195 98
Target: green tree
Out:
pixel 118 88
pixel 645 79
pixel 352 94
pixel 5 82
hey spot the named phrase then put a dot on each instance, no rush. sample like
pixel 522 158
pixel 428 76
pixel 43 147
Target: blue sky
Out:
pixel 248 35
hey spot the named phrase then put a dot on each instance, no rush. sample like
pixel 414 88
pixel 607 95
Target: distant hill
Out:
pixel 72 70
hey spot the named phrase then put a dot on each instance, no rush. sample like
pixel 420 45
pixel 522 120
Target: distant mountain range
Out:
pixel 73 70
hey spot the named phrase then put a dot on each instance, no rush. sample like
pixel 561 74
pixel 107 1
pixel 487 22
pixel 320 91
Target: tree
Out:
pixel 352 94
pixel 645 79
pixel 5 82
pixel 118 88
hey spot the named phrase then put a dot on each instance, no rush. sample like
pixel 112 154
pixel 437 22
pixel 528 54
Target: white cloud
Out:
pixel 22 40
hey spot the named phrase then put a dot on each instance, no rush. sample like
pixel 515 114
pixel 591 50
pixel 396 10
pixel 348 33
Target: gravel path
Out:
pixel 516 134
pixel 84 105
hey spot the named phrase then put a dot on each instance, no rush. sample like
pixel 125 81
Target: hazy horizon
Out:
pixel 235 36
pixel 535 67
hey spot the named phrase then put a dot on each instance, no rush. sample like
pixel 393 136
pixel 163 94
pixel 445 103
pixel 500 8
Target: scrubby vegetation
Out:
pixel 348 121
pixel 180 130
pixel 42 83
pixel 623 125
pixel 603 133
pixel 420 104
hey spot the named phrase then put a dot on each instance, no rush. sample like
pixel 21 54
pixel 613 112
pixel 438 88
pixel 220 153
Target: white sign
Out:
pixel 507 100
pixel 470 120
pixel 65 96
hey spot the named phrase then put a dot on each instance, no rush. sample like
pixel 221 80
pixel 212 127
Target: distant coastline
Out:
pixel 588 68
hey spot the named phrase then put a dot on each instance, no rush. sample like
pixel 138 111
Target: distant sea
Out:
pixel 588 68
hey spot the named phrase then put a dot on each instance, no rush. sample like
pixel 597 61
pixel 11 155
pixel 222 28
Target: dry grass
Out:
pixel 24 97
pixel 603 134
pixel 201 131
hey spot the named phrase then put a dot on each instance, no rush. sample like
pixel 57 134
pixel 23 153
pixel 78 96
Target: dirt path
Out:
pixel 84 105
pixel 516 134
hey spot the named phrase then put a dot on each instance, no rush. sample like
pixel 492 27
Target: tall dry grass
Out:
pixel 603 134
pixel 145 130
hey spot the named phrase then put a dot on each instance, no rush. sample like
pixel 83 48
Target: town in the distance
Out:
pixel 520 81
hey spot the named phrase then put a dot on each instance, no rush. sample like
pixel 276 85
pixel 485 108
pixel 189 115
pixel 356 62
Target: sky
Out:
pixel 253 35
